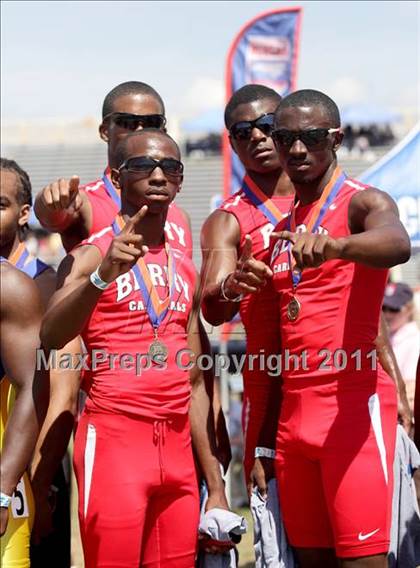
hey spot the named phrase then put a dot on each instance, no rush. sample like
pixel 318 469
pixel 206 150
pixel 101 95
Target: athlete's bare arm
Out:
pixel 76 297
pixel 62 208
pixel 378 237
pixel 224 453
pixel 220 239
pixel 58 425
pixel 21 314
pixel 202 419
pixel 263 468
pixel 389 363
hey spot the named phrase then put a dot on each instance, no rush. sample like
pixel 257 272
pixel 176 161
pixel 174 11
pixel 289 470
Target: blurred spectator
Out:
pixel 398 308
pixel 348 137
pixel 360 141
pixel 47 246
pixel 210 145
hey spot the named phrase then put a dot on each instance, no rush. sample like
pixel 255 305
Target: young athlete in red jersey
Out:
pixel 266 195
pixel 238 233
pixel 336 434
pixel 76 212
pixel 128 292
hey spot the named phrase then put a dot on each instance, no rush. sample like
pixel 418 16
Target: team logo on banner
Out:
pixel 267 57
pixel 265 52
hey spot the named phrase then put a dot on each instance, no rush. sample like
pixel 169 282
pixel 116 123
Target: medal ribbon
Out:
pixel 328 195
pixel 18 258
pixel 156 308
pixel 112 191
pixel 261 201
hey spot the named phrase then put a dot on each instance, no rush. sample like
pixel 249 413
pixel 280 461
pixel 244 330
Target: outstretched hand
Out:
pixel 250 274
pixel 125 249
pixel 62 194
pixel 311 250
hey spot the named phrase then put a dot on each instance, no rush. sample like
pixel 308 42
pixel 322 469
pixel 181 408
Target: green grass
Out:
pixel 246 546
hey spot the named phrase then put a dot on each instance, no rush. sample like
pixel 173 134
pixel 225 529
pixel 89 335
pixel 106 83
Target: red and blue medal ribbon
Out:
pixel 328 195
pixel 19 258
pixel 261 201
pixel 155 307
pixel 111 190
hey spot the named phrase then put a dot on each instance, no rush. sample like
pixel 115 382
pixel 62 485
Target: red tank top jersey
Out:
pixel 105 209
pixel 120 325
pixel 256 313
pixel 340 301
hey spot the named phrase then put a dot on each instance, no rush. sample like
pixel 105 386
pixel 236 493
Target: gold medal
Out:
pixel 293 309
pixel 158 351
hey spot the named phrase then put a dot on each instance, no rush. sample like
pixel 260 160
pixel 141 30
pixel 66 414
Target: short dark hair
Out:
pixel 129 88
pixel 248 94
pixel 24 187
pixel 121 149
pixel 309 98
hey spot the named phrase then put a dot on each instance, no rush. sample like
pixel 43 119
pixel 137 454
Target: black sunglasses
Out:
pixel 243 130
pixel 312 137
pixel 392 310
pixel 145 165
pixel 132 122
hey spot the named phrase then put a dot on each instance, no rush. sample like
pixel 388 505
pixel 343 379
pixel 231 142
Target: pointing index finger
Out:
pixel 285 236
pixel 74 184
pixel 132 222
pixel 247 250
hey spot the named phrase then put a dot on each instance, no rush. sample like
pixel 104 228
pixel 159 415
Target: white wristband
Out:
pixel 264 453
pixel 223 292
pixel 97 281
pixel 5 500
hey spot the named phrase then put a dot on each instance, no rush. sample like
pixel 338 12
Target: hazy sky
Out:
pixel 59 59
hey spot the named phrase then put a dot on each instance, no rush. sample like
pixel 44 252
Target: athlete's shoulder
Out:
pixel 93 188
pixel 355 191
pixel 236 199
pixel 15 283
pixel 355 184
pixel 350 188
pixel 103 236
pixel 221 226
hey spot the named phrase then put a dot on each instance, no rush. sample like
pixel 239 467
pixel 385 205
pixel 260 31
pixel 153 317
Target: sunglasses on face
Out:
pixel 312 137
pixel 145 165
pixel 391 310
pixel 133 122
pixel 243 130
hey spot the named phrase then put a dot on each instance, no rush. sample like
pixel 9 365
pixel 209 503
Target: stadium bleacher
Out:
pixel 203 180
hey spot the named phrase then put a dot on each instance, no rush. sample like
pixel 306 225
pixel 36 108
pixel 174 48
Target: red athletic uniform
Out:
pixel 258 316
pixel 336 436
pixel 133 457
pixel 106 202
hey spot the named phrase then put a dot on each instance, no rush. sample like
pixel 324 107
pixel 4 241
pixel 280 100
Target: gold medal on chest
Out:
pixel 293 309
pixel 158 351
